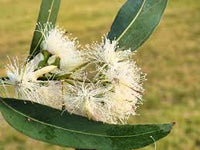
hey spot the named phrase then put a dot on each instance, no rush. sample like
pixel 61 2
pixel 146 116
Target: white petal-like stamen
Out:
pixel 99 103
pixel 107 53
pixel 105 86
pixel 118 68
pixel 126 74
pixel 87 99
pixel 48 93
pixel 23 76
pixel 57 43
pixel 25 72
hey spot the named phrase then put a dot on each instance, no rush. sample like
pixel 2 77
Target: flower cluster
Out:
pixel 102 82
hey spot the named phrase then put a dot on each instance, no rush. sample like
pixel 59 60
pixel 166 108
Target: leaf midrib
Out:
pixel 74 131
pixel 132 22
pixel 49 16
pixel 134 19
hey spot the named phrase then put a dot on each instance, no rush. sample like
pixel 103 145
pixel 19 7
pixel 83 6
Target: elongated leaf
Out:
pixel 61 128
pixel 48 13
pixel 136 21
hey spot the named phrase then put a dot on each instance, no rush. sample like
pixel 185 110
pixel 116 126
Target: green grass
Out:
pixel 171 58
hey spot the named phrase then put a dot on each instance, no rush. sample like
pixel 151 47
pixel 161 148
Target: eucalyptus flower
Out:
pixel 89 100
pixel 118 72
pixel 117 67
pixel 102 83
pixel 111 95
pixel 57 43
pixel 128 77
pixel 23 77
pixel 107 53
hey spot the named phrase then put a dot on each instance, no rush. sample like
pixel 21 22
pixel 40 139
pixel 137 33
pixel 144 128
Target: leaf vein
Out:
pixel 78 132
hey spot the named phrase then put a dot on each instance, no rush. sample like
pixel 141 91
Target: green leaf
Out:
pixel 48 13
pixel 136 21
pixel 61 128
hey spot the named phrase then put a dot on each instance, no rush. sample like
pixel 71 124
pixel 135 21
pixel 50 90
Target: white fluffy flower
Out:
pixel 57 43
pixel 128 76
pixel 99 103
pixel 23 76
pixel 120 70
pixel 107 53
pixel 87 99
pixel 26 71
pixel 120 110
pixel 107 87
pixel 48 93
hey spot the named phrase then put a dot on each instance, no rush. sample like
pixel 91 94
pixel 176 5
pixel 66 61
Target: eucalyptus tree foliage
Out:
pixel 71 98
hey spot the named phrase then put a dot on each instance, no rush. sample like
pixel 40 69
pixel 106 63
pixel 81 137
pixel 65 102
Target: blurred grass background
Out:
pixel 171 58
